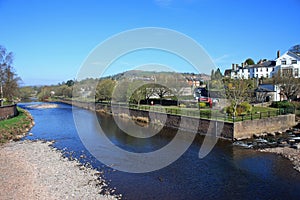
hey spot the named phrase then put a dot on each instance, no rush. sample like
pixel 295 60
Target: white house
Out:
pixel 288 65
pixel 268 92
pixel 262 70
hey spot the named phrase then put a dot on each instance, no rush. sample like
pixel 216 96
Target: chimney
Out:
pixel 242 64
pixel 278 53
pixel 233 66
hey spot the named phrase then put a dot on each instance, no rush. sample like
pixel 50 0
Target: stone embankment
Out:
pixel 34 170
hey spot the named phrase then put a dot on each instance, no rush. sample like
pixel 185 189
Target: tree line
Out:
pixel 129 89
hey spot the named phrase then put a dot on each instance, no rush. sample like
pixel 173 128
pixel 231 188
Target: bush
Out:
pixel 182 105
pixel 296 104
pixel 229 109
pixel 282 104
pixel 242 108
pixel 202 105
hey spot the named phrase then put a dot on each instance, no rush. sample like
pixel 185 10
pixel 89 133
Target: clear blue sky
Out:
pixel 51 39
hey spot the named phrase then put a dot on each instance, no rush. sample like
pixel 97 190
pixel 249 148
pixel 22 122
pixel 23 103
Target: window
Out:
pixel 242 70
pixel 267 69
pixel 294 61
pixel 261 69
pixel 283 62
pixel 267 75
pixel 296 72
pixel 287 72
pixel 256 75
pixel 273 69
pixel 249 76
pixel 257 69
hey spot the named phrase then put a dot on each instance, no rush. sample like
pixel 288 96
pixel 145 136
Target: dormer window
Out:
pixel 283 62
pixel 294 61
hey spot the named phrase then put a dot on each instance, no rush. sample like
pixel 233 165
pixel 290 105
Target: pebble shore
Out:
pixel 35 170
pixel 292 154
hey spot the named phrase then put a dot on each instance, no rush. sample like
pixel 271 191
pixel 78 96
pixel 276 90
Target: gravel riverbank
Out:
pixel 292 154
pixel 34 170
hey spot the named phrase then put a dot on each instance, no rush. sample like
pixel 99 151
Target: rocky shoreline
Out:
pixel 286 144
pixel 292 154
pixel 35 170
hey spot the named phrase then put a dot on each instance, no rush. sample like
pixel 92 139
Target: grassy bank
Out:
pixel 17 127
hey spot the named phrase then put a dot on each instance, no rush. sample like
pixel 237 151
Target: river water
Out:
pixel 227 172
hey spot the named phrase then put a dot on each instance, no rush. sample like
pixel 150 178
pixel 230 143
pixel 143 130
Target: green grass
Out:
pixel 256 109
pixel 12 127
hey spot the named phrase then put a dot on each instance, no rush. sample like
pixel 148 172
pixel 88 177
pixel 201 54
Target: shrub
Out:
pixel 281 104
pixel 296 104
pixel 202 105
pixel 242 108
pixel 182 105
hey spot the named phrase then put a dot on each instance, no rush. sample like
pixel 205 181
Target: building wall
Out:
pixel 252 72
pixel 285 62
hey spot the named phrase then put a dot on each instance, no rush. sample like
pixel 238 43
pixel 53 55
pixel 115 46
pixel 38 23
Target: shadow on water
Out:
pixel 227 172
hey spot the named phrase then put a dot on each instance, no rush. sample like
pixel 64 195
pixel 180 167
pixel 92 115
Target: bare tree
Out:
pixel 8 78
pixel 237 92
pixel 162 91
pixel 289 86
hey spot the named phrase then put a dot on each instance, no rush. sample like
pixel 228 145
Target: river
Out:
pixel 228 172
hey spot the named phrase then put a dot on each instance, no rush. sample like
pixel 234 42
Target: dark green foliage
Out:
pixel 282 104
pixel 70 83
pixel 249 61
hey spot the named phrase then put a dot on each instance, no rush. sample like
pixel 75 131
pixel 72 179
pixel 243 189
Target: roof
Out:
pixel 227 72
pixel 269 63
pixel 265 88
pixel 293 55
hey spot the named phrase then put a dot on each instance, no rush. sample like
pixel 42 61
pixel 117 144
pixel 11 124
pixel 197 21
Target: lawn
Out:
pixel 12 127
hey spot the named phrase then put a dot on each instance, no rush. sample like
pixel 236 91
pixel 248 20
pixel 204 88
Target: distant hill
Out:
pixel 139 74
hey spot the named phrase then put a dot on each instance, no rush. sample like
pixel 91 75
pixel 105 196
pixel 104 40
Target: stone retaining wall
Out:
pixel 247 128
pixel 8 111
pixel 228 130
